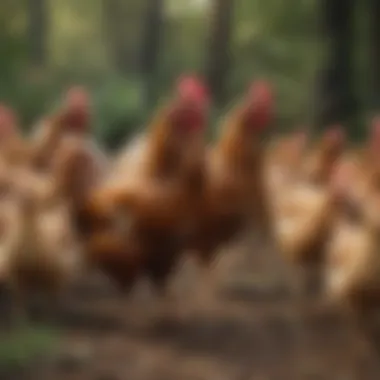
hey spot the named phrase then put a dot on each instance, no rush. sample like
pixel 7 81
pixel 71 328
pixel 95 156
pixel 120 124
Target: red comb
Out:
pixel 192 88
pixel 335 134
pixel 374 138
pixel 299 139
pixel 300 134
pixel 341 177
pixel 261 90
pixel 260 105
pixel 192 101
pixel 77 97
pixel 375 128
pixel 7 119
pixel 76 108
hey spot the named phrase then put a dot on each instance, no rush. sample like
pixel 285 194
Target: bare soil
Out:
pixel 242 335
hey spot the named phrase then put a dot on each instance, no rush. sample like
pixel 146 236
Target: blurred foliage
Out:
pixel 20 349
pixel 273 39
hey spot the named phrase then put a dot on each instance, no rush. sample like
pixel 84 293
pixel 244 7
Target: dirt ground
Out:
pixel 241 335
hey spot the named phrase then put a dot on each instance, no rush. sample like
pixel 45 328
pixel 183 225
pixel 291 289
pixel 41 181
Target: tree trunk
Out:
pixel 150 51
pixel 113 28
pixel 336 102
pixel 375 53
pixel 219 54
pixel 38 31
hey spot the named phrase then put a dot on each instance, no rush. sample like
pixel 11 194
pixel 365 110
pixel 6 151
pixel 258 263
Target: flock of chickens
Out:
pixel 67 208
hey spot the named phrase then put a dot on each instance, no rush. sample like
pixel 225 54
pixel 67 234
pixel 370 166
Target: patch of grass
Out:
pixel 19 348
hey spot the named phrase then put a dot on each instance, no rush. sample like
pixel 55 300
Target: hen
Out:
pixel 69 125
pixel 353 267
pixel 158 203
pixel 235 197
pixel 39 251
pixel 304 213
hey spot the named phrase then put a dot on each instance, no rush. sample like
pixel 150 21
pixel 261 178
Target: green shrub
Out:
pixel 118 111
pixel 20 348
